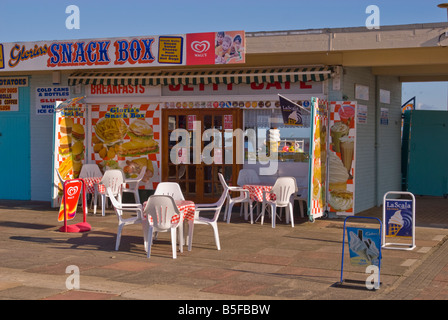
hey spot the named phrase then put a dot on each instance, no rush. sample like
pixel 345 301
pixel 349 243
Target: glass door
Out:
pixel 198 144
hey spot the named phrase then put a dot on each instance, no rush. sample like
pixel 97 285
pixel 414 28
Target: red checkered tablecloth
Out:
pixel 90 185
pixel 186 208
pixel 256 192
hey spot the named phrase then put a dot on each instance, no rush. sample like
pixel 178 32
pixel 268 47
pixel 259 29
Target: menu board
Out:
pixel 341 158
pixel 127 137
pixel 318 158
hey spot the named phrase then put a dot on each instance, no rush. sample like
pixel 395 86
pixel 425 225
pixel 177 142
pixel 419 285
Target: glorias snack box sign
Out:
pixel 188 49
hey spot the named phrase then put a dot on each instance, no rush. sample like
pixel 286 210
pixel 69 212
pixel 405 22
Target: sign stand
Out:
pixel 368 249
pixel 81 226
pixel 399 217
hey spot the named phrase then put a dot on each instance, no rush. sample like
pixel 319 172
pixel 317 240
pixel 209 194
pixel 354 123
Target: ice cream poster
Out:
pixel 342 157
pixel 398 218
pixel 70 200
pixel 291 112
pixel 364 245
pixel 318 162
pixel 127 137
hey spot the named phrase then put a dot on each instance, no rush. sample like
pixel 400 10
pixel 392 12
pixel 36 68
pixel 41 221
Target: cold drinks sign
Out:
pixel 201 48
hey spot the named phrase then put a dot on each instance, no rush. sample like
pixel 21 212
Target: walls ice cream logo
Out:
pixel 71 191
pixel 200 47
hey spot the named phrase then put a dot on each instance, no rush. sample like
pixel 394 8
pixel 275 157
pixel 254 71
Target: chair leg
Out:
pixel 145 227
pixel 95 202
pixel 273 214
pixel 117 243
pixel 181 237
pixel 150 231
pixel 103 205
pixel 190 234
pixel 263 208
pixel 215 231
pixel 174 242
pixel 226 208
pixel 291 213
pixel 251 212
pixel 229 212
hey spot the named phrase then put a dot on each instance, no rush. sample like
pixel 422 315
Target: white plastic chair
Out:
pixel 213 222
pixel 90 170
pixel 161 208
pixel 170 189
pixel 113 179
pixel 127 207
pixel 243 198
pixel 283 189
pixel 133 185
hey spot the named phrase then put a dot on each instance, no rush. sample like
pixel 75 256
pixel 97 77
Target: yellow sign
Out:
pixel 2 65
pixel 170 50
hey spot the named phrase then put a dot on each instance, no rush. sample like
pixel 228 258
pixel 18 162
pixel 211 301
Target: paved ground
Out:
pixel 256 262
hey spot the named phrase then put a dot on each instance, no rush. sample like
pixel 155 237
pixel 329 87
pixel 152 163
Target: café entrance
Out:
pixel 197 145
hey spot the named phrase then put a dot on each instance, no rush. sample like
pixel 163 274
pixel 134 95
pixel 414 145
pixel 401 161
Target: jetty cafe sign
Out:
pixel 150 51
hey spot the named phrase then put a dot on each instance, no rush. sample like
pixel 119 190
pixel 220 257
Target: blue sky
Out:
pixel 28 20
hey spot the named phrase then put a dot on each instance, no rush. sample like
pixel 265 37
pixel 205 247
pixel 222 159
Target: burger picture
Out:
pixel 78 131
pixel 140 130
pixel 66 125
pixel 65 145
pixel 78 151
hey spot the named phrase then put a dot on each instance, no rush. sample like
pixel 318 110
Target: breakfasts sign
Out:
pixel 187 49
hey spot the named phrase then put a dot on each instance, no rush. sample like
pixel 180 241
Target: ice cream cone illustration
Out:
pixel 394 229
pixel 293 118
pixel 395 224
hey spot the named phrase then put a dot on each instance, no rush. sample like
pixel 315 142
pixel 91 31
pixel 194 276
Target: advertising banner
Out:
pixel 216 48
pixel 318 158
pixel 398 218
pixel 364 245
pixel 9 99
pixel 342 157
pixel 291 113
pixel 46 98
pixel 149 51
pixel 72 193
pixel 127 137
pixel 69 144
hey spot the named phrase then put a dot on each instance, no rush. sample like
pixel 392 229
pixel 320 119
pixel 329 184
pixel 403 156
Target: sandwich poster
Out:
pixel 342 156
pixel 127 137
